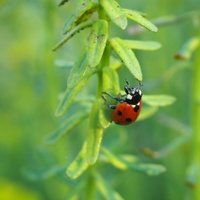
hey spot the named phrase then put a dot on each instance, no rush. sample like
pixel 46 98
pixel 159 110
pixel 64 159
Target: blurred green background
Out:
pixel 30 84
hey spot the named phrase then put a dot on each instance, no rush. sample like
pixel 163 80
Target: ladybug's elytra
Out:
pixel 130 105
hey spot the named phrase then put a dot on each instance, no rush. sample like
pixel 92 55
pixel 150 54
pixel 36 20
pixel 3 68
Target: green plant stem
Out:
pixel 105 61
pixel 196 122
pixel 91 186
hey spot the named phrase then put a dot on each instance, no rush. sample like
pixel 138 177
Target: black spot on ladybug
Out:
pixel 128 119
pixel 119 112
pixel 136 108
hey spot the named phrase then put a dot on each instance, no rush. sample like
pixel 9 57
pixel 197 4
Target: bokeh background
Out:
pixel 31 82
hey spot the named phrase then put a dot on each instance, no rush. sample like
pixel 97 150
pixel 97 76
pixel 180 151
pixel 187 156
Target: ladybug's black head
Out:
pixel 133 96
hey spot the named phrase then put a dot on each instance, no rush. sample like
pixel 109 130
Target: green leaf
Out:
pixel 67 126
pixel 64 64
pixel 87 14
pixel 93 144
pixel 97 42
pixel 141 13
pixel 81 7
pixel 175 69
pixel 114 160
pixel 193 174
pixel 95 135
pixel 79 70
pixel 115 63
pixel 110 82
pixel 34 174
pixel 175 124
pixel 106 190
pixel 149 169
pixel 142 45
pixel 170 147
pixel 79 165
pixel 124 162
pixel 158 100
pixel 147 112
pixel 127 56
pixel 70 34
pixel 114 12
pixel 139 19
pixel 79 74
pixel 85 98
pixel 128 158
pixel 74 193
pixel 188 48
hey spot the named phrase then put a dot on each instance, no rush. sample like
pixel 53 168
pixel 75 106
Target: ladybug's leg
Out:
pixel 107 104
pixel 115 98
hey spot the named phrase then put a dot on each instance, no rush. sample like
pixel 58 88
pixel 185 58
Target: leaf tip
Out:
pixel 154 29
pixel 58 112
pixel 70 174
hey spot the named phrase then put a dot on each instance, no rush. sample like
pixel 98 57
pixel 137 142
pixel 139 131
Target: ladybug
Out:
pixel 130 105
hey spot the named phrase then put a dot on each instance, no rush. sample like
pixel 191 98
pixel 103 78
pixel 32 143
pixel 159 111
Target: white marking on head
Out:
pixel 140 92
pixel 129 97
pixel 133 106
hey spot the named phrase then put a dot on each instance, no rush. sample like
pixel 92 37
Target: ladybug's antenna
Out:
pixel 127 82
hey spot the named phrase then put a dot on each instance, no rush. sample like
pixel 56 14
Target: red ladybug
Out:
pixel 129 108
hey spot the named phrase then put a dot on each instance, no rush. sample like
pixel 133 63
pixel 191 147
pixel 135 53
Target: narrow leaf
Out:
pixel 139 19
pixel 193 174
pixel 34 174
pixel 110 82
pixel 147 112
pixel 149 169
pixel 87 14
pixel 81 7
pixel 80 74
pixel 175 124
pixel 73 194
pixel 170 147
pixel 142 45
pixel 94 138
pixel 78 71
pixel 106 190
pixel 85 98
pixel 97 42
pixel 158 100
pixel 79 165
pixel 67 126
pixel 64 64
pixel 72 33
pixel 115 63
pixel 93 144
pixel 127 56
pixel 114 160
pixel 128 158
pixel 188 48
pixel 71 93
pixel 163 22
pixel 114 12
